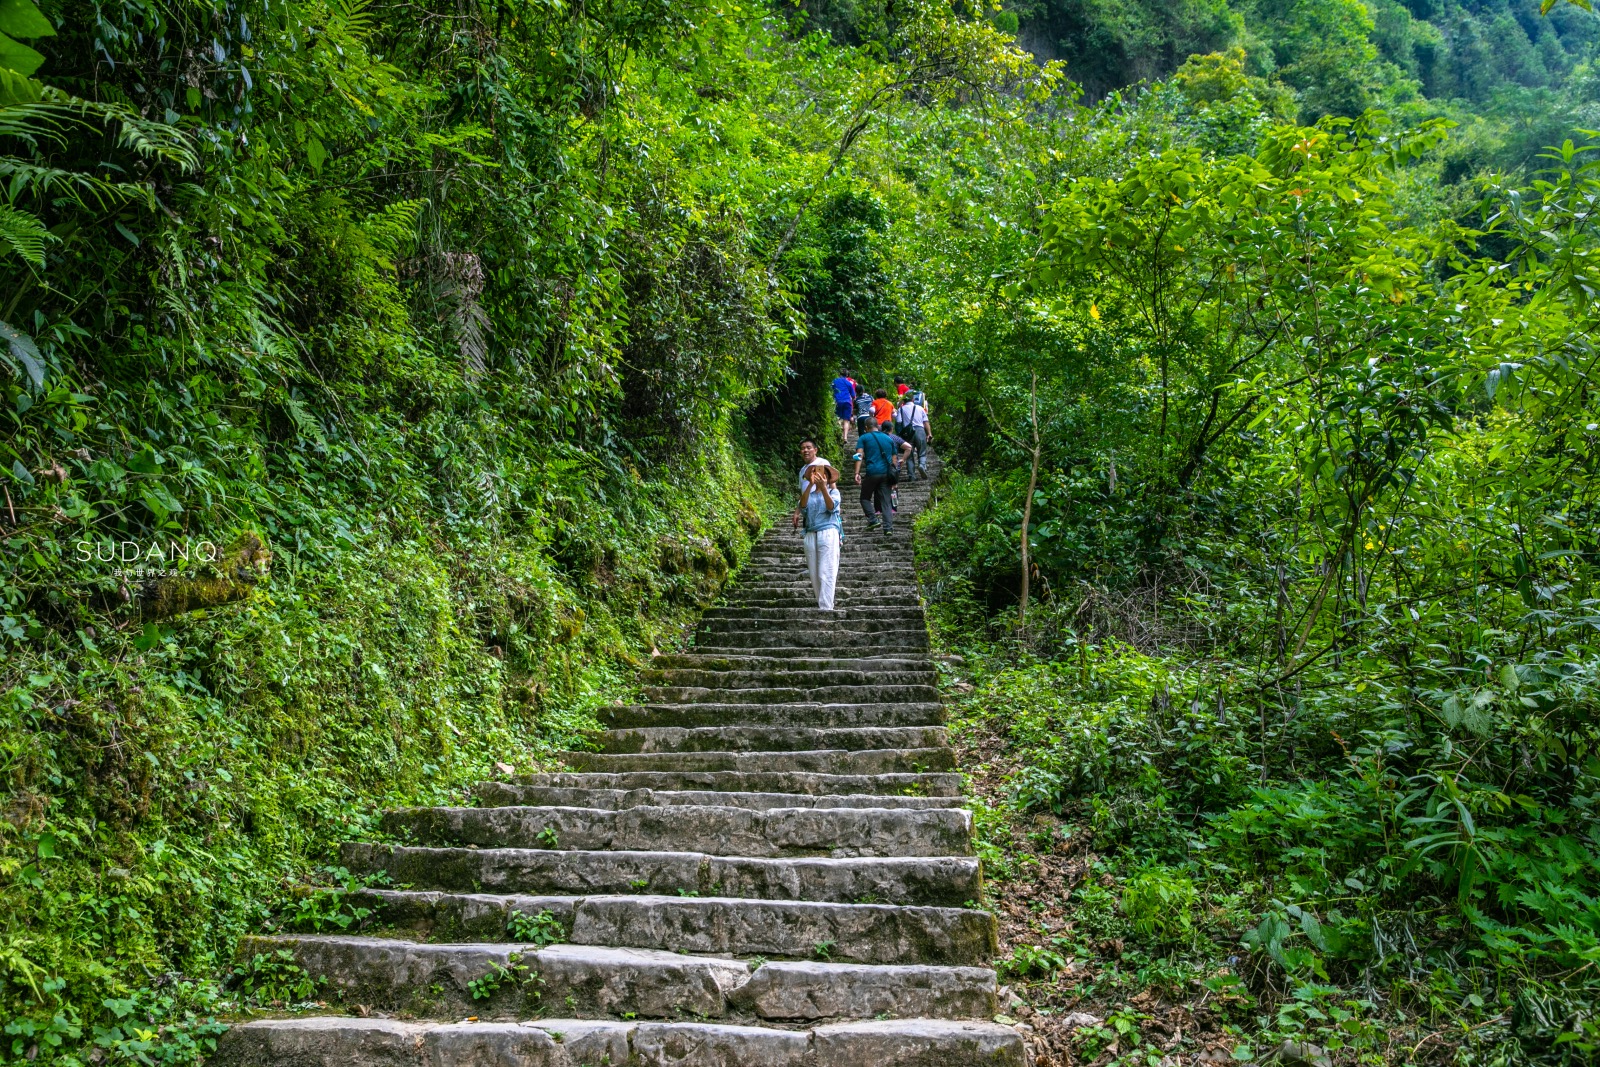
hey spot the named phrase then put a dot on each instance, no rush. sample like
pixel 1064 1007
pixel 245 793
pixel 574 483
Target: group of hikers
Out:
pixel 892 438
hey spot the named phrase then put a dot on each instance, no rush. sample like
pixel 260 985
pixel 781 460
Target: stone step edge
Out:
pixel 778 833
pixel 662 984
pixel 323 1041
pixel 944 936
pixel 505 794
pixel 947 783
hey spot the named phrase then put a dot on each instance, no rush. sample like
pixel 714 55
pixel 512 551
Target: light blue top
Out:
pixel 818 517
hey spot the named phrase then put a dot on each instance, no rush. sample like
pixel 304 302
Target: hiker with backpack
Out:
pixel 878 456
pixel 863 404
pixel 911 423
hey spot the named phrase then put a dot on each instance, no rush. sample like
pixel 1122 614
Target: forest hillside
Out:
pixel 384 382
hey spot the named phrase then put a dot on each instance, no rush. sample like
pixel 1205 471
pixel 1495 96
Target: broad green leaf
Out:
pixel 20 18
pixel 18 57
pixel 16 88
pixel 22 352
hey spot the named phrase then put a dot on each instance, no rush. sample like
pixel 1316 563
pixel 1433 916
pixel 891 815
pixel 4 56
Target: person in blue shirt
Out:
pixel 819 503
pixel 878 456
pixel 844 402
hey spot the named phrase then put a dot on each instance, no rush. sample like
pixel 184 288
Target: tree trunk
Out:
pixel 1027 520
pixel 1027 503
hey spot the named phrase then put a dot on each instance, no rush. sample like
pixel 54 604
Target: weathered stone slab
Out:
pixel 918 1043
pixel 859 933
pixel 943 881
pixel 711 1045
pixel 820 694
pixel 430 979
pixel 348 1042
pixel 808 991
pixel 342 1042
pixel 731 831
pixel 493 794
pixel 919 784
pixel 797 714
pixel 769 738
pixel 876 761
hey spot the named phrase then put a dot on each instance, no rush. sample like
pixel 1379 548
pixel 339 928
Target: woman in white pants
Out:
pixel 819 504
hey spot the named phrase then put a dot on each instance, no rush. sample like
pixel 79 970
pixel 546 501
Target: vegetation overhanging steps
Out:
pixel 763 866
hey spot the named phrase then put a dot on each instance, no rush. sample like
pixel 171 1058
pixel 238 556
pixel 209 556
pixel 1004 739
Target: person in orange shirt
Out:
pixel 882 408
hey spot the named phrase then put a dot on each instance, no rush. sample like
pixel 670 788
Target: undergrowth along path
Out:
pixel 764 865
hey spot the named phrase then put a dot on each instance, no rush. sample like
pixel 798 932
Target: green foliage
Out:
pixel 319 909
pixel 1158 901
pixel 274 978
pixel 487 984
pixel 538 930
pixel 1028 961
pixel 1313 667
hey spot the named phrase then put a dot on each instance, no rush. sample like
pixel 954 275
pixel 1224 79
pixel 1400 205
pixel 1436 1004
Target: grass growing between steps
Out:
pixel 1160 904
pixel 172 787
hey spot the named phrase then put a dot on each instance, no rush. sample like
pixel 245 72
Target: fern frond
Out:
pixel 23 234
pixel 50 119
pixel 84 190
pixel 157 140
pixel 392 228
pixel 38 121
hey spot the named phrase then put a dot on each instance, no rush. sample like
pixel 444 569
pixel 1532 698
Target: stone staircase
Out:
pixel 764 865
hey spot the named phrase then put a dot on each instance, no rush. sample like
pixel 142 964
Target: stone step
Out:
pixel 809 782
pixel 936 881
pixel 862 603
pixel 711 647
pixel 876 693
pixel 890 566
pixel 806 715
pixel 854 628
pixel 846 640
pixel 431 980
pixel 722 829
pixel 336 1041
pixel 769 739
pixel 493 794
pixel 878 553
pixel 910 661
pixel 864 581
pixel 793 929
pixel 800 595
pixel 885 578
pixel 785 677
pixel 807 613
pixel 872 761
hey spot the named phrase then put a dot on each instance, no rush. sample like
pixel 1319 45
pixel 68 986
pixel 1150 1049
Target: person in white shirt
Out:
pixel 824 522
pixel 912 419
pixel 808 458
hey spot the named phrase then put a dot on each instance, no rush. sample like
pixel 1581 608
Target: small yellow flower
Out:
pixel 1094 312
pixel 1371 545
